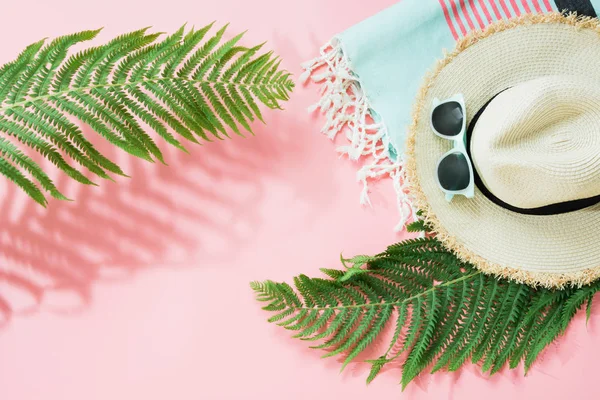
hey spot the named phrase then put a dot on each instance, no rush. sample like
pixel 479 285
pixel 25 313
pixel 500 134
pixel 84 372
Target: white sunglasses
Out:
pixel 454 171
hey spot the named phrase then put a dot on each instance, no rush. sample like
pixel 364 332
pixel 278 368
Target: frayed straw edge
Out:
pixel 347 108
pixel 543 279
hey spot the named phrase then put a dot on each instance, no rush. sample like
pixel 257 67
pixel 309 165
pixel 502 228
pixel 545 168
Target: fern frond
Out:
pixel 193 85
pixel 445 311
pixel 418 226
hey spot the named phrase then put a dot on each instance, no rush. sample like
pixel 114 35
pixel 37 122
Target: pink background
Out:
pixel 139 290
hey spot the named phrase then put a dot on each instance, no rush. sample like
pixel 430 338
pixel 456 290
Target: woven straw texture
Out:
pixel 539 143
pixel 551 251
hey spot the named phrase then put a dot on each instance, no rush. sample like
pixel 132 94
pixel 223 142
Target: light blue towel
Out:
pixel 371 72
pixel 390 52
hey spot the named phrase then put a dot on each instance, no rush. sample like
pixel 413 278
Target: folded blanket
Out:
pixel 371 72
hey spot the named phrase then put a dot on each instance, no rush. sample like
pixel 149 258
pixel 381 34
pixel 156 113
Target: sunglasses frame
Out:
pixel 460 146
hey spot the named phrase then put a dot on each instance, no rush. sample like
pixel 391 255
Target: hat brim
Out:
pixel 550 250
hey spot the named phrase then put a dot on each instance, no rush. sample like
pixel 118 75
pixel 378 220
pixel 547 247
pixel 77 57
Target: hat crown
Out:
pixel 538 143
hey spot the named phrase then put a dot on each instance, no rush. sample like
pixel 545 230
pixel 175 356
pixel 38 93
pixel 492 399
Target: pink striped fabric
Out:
pixel 457 17
pixel 476 14
pixel 449 19
pixel 463 16
pixel 485 11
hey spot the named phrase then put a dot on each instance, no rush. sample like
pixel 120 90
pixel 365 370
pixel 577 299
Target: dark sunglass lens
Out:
pixel 447 118
pixel 453 172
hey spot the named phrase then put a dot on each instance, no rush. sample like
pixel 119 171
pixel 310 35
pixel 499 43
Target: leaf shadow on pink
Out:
pixel 192 212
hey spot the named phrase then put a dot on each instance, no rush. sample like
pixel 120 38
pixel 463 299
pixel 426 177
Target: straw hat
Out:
pixel 531 88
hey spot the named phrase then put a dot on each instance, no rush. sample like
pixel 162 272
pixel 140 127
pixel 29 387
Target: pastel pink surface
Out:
pixel 139 290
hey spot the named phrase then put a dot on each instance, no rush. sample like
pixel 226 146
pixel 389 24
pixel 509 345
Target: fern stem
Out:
pixel 86 89
pixel 396 303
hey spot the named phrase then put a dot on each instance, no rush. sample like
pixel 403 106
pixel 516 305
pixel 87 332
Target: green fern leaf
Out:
pixel 447 312
pixel 190 85
pixel 418 226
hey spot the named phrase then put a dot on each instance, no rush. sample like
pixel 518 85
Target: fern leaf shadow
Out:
pixel 188 213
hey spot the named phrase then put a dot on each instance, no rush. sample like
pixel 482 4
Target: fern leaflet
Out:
pixel 446 312
pixel 191 85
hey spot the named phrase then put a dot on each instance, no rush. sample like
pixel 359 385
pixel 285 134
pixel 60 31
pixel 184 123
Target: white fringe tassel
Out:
pixel 346 108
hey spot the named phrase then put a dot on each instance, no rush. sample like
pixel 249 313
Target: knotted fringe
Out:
pixel 347 108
